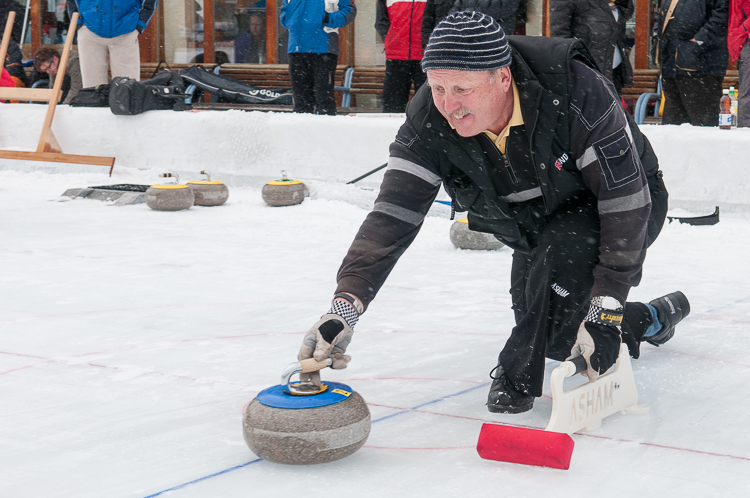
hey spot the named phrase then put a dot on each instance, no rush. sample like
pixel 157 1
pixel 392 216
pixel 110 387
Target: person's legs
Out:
pixel 674 111
pixel 396 85
pixel 125 56
pixel 301 75
pixel 418 76
pixel 743 106
pixel 550 290
pixel 324 72
pixel 701 96
pixel 93 55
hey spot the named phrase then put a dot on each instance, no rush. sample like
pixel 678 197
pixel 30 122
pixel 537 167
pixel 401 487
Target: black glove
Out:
pixel 599 337
pixel 325 19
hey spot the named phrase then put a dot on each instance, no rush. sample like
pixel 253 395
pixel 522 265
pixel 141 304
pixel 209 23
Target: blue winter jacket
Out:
pixel 110 18
pixel 304 20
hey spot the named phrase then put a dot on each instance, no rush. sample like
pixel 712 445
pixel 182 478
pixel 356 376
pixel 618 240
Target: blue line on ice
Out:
pixel 204 478
pixel 260 459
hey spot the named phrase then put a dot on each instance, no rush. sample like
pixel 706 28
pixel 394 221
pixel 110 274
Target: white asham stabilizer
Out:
pixel 585 406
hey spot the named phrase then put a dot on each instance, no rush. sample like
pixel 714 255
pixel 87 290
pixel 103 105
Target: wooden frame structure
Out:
pixel 48 149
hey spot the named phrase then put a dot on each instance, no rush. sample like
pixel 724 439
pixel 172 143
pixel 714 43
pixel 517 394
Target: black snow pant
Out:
pixel 692 99
pixel 312 78
pixel 399 76
pixel 551 291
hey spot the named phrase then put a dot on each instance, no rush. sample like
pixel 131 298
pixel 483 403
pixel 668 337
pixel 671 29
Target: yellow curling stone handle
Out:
pixel 303 366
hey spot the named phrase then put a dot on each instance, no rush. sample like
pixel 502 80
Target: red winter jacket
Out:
pixel 399 23
pixel 5 79
pixel 739 26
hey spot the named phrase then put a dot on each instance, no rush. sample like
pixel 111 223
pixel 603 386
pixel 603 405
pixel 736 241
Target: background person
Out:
pixel 399 24
pixel 434 12
pixel 250 45
pixel 739 50
pixel 6 6
pixel 313 49
pixel 690 47
pixel 108 37
pixel 505 12
pixel 600 24
pixel 14 64
pixel 47 60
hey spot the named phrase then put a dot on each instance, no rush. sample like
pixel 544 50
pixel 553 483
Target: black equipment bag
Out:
pixel 95 96
pixel 233 90
pixel 166 90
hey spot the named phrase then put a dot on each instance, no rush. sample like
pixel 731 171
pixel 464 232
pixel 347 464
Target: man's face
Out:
pixel 50 67
pixel 256 25
pixel 473 101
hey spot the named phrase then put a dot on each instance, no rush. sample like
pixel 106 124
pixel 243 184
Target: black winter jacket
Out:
pixel 577 145
pixel 502 11
pixel 704 20
pixel 14 62
pixel 593 22
pixel 6 6
pixel 434 12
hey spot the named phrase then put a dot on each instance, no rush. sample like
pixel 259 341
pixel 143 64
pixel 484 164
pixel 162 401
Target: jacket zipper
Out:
pixel 509 166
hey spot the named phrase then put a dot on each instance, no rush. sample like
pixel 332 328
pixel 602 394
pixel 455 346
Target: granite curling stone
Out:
pixel 305 429
pixel 463 238
pixel 208 192
pixel 284 192
pixel 170 196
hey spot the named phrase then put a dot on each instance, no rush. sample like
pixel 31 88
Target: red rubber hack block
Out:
pixel 525 446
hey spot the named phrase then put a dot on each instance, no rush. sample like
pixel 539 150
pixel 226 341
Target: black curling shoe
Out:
pixel 504 398
pixel 671 309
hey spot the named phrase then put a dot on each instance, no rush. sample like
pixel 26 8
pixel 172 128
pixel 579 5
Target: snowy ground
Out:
pixel 131 340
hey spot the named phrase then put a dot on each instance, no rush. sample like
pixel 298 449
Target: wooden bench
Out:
pixel 644 81
pixel 270 76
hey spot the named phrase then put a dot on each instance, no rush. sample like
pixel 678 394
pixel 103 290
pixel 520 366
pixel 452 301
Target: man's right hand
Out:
pixel 329 338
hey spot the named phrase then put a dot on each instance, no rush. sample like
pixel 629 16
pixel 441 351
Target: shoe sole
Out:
pixel 510 409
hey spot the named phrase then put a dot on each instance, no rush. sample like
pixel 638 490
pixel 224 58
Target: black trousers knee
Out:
pixel 399 76
pixel 551 292
pixel 312 78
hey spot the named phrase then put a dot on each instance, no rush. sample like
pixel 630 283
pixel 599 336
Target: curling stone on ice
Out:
pixel 463 238
pixel 209 192
pixel 284 192
pixel 300 423
pixel 169 196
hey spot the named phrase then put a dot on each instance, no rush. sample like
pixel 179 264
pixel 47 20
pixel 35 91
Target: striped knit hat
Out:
pixel 467 41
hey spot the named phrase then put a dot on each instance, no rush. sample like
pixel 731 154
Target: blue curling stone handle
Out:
pixel 275 397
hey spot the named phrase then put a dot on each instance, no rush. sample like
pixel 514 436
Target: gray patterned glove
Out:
pixel 330 336
pixel 599 336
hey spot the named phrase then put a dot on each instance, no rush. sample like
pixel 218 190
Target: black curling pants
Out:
pixel 399 76
pixel 312 78
pixel 551 291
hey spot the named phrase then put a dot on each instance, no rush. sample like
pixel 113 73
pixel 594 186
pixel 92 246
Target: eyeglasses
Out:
pixel 44 66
